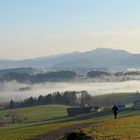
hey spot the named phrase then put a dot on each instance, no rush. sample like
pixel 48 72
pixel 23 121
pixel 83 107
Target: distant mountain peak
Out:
pixel 100 57
pixel 109 50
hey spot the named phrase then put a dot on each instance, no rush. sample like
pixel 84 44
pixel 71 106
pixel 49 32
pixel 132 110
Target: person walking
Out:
pixel 115 110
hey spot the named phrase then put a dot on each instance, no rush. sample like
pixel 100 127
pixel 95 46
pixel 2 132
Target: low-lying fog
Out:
pixel 12 90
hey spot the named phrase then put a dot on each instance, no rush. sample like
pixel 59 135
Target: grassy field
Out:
pixel 127 128
pixel 45 118
pixel 27 130
pixel 36 113
pixel 36 116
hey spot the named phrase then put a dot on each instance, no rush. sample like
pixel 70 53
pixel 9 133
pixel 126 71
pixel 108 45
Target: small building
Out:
pixel 73 111
pixel 136 104
pixel 2 122
pixel 77 110
pixel 121 107
pixel 96 109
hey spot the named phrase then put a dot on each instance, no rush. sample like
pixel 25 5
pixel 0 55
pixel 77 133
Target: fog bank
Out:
pixel 11 90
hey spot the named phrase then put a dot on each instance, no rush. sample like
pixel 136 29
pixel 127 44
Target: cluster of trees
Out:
pixel 65 98
pixel 21 70
pixel 127 73
pixel 27 77
pixel 92 74
pixel 42 77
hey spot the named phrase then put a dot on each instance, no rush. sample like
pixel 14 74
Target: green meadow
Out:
pixel 127 128
pixel 36 113
pixel 45 118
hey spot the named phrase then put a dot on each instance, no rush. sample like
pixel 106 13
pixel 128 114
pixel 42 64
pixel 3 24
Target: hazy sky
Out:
pixel 33 28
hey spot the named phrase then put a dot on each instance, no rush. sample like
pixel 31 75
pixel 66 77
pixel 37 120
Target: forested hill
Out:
pixel 38 78
pixel 98 58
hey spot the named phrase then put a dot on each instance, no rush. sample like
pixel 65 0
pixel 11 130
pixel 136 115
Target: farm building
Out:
pixel 77 110
pixel 72 111
pixel 2 122
pixel 121 107
pixel 137 104
pixel 96 109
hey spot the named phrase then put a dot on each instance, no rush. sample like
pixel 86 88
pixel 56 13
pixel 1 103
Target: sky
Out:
pixel 35 28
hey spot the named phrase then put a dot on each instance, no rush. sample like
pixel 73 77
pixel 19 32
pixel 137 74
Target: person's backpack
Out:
pixel 116 109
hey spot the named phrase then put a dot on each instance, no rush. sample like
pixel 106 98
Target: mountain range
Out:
pixel 98 58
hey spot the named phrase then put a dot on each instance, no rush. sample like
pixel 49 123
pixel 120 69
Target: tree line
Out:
pixel 27 75
pixel 64 98
pixel 38 78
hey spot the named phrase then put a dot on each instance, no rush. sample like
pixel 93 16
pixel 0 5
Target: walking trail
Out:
pixel 53 135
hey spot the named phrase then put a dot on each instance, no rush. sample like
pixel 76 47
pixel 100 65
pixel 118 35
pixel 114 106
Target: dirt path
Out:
pixel 60 132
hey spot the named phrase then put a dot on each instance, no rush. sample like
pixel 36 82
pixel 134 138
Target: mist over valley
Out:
pixel 100 71
pixel 10 90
